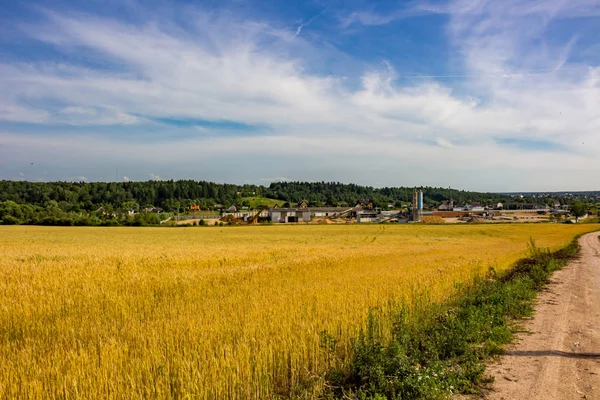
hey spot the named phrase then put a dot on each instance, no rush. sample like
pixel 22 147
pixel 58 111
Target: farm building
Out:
pixel 283 215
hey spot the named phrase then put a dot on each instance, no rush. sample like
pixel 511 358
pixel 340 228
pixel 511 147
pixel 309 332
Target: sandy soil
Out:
pixel 560 356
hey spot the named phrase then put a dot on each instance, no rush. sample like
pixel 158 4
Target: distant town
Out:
pixel 186 202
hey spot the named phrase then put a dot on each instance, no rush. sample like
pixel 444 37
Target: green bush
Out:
pixel 10 220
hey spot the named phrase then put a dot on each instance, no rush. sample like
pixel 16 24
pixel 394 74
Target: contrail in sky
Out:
pixel 309 21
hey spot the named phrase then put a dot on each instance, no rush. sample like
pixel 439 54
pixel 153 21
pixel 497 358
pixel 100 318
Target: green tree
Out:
pixel 578 209
pixel 130 205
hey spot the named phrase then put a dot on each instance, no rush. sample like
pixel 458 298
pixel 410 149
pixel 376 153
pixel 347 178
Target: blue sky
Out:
pixel 483 95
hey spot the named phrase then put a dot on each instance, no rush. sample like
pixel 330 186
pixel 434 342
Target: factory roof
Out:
pixel 327 209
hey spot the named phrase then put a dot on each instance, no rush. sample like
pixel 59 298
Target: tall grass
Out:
pixel 232 312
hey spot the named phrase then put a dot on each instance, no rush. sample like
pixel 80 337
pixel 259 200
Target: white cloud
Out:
pixel 444 143
pixel 372 18
pixel 255 74
pixel 99 115
pixel 367 18
pixel 154 177
pixel 393 160
pixel 240 82
pixel 126 179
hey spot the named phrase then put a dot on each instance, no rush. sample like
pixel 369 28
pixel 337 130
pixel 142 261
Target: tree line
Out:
pixel 97 203
pixel 335 193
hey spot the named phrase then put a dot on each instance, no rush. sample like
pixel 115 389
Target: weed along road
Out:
pixel 560 357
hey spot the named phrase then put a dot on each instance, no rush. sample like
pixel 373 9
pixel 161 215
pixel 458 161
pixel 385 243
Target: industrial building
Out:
pixel 363 212
pixel 285 215
pixel 367 216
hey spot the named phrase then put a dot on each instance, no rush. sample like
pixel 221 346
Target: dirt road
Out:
pixel 560 357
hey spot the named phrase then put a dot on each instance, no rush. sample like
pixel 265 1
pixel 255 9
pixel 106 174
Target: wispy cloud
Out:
pixel 409 9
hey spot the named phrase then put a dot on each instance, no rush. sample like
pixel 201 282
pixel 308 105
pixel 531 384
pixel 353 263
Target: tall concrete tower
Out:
pixel 417 205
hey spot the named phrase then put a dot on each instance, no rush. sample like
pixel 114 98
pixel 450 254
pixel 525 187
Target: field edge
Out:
pixel 440 350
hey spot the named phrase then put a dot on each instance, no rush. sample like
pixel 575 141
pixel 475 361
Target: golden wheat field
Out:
pixel 218 312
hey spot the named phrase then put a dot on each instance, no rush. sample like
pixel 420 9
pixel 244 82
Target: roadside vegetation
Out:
pixel 437 350
pixel 267 312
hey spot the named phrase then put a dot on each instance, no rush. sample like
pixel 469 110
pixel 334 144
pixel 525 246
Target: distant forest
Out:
pixel 95 203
